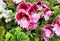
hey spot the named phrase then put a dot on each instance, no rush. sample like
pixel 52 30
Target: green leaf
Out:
pixel 11 14
pixel 13 38
pixel 1 39
pixel 31 1
pixel 0 13
pixel 15 30
pixel 21 36
pixel 2 30
pixel 36 38
pixel 7 36
pixel 16 35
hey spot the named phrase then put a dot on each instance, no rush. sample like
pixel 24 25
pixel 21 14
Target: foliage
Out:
pixel 16 35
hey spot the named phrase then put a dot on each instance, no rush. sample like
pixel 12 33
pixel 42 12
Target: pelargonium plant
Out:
pixel 27 17
pixel 29 20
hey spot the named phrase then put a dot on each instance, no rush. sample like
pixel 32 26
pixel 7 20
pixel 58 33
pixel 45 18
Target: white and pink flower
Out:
pixel 47 32
pixel 32 11
pixel 24 20
pixel 56 24
pixel 27 16
pixel 47 13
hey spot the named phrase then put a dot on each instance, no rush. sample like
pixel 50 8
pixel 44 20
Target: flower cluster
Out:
pixel 4 13
pixel 49 30
pixel 46 11
pixel 27 16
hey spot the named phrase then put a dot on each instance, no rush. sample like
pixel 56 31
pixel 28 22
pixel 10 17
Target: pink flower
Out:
pixel 24 24
pixel 56 25
pixel 32 11
pixel 17 1
pixel 27 16
pixel 22 18
pixel 45 9
pixel 40 5
pixel 25 20
pixel 47 13
pixel 47 32
pixel 23 5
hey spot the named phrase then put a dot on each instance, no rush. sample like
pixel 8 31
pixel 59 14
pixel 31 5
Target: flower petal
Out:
pixel 24 23
pixel 35 17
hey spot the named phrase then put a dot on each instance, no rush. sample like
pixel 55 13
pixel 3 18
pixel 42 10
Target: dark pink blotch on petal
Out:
pixel 29 4
pixel 40 2
pixel 57 21
pixel 22 5
pixel 33 8
pixel 45 10
pixel 20 14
